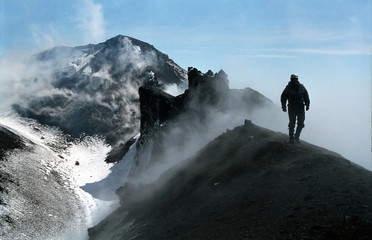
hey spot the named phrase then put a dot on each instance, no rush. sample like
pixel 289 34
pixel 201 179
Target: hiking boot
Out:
pixel 297 134
pixel 291 133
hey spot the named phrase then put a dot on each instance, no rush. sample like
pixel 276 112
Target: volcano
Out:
pixel 94 88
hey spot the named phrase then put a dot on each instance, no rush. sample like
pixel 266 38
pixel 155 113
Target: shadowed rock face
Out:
pixel 9 141
pixel 248 183
pixel 205 91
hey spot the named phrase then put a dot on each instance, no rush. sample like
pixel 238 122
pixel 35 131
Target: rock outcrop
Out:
pixel 207 90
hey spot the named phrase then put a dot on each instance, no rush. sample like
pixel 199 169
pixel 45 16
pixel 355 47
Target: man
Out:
pixel 298 98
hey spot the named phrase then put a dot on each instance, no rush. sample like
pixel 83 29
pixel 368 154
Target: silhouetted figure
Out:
pixel 298 98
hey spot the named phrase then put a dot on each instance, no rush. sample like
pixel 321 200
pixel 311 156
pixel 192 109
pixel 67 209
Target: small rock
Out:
pixel 247 122
pixel 77 163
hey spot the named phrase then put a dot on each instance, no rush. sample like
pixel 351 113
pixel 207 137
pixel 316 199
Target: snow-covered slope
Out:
pixel 42 180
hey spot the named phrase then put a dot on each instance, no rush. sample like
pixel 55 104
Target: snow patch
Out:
pixel 79 59
pixel 174 90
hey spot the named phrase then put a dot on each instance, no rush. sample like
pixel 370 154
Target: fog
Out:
pixel 21 77
pixel 336 121
pixel 339 118
pixel 189 133
pixel 342 124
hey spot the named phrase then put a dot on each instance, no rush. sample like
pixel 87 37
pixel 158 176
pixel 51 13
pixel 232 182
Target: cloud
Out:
pixel 274 56
pixel 22 77
pixel 277 52
pixel 330 51
pixel 91 21
pixel 42 38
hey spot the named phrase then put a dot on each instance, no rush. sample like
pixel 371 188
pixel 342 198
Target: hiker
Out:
pixel 298 98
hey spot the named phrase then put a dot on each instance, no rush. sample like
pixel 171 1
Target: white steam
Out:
pixel 184 138
pixel 22 77
pixel 91 21
pixel 174 89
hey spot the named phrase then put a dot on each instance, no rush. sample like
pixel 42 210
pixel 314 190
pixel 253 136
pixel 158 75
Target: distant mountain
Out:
pixel 94 88
pixel 248 183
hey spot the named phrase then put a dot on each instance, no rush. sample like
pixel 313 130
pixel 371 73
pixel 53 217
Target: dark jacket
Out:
pixel 296 94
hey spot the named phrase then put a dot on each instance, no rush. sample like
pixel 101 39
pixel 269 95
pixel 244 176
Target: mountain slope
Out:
pixel 36 199
pixel 248 183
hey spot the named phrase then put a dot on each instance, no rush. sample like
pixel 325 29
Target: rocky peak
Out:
pixel 209 79
pixel 93 89
pixel 159 110
pixel 158 107
pixel 209 88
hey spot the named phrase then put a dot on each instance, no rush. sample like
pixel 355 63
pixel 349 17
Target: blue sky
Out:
pixel 258 43
pixel 262 37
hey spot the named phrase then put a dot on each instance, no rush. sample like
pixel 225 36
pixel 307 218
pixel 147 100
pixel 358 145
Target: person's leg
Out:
pixel 292 123
pixel 300 124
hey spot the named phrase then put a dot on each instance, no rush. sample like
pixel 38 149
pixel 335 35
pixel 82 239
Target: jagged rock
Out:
pixel 156 107
pixel 207 96
pixel 119 151
pixel 205 90
pixel 159 110
pixel 208 88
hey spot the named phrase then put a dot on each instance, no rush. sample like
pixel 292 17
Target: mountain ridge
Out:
pixel 248 183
